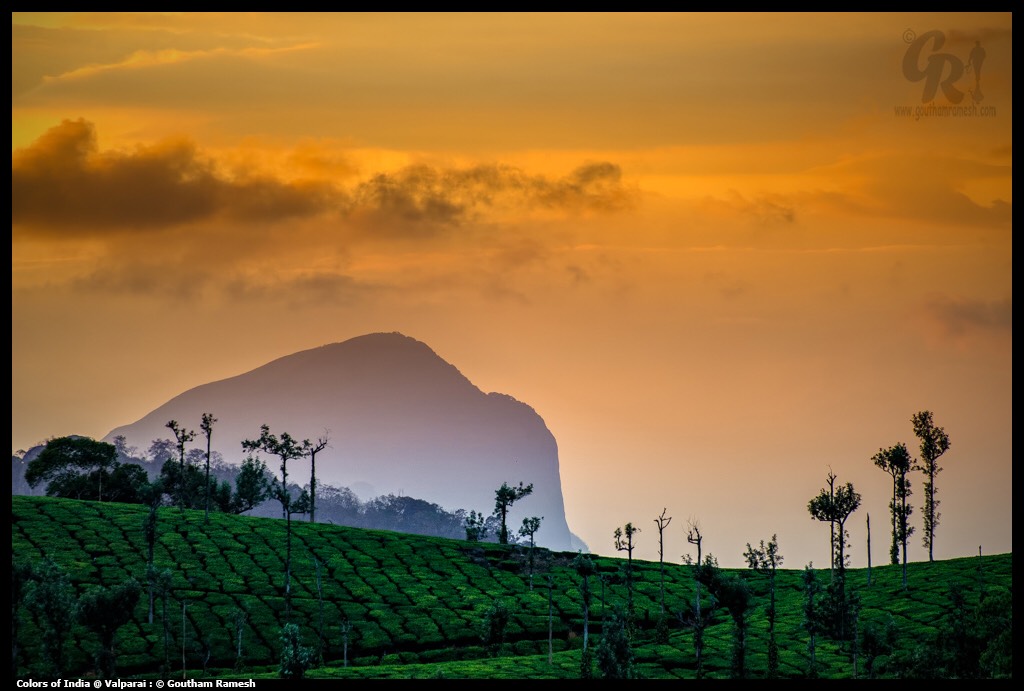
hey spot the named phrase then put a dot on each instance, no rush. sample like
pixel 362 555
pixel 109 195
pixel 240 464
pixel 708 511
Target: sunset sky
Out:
pixel 705 248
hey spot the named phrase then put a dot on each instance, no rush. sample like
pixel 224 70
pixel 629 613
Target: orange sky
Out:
pixel 705 248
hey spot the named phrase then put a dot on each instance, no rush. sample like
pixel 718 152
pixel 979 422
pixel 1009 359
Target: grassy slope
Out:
pixel 416 602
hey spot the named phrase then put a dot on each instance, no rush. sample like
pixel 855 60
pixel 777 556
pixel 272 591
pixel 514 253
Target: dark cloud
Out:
pixel 961 316
pixel 63 183
pixel 420 200
pixel 596 186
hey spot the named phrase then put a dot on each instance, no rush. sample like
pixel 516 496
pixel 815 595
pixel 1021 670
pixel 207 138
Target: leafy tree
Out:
pixel 287 449
pixel 161 450
pixel 124 483
pixel 493 626
pixel 182 436
pixel 319 445
pixel 697 619
pixel 889 461
pixel 586 664
pixel 188 486
pixel 662 522
pixel 207 426
pixel 765 560
pixel 694 537
pixel 251 485
pixel 52 599
pixel 529 530
pixel 877 639
pixel 934 443
pixel 21 575
pixel 812 589
pixel 72 466
pixel 125 453
pixel 295 657
pixel 897 462
pixel 585 568
pixel 835 506
pixel 993 625
pixel 103 611
pixel 476 527
pixel 624 543
pixel 615 657
pixel 733 593
pixel 504 497
pixel 971 642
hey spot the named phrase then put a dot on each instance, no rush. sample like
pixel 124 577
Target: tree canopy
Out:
pixel 83 468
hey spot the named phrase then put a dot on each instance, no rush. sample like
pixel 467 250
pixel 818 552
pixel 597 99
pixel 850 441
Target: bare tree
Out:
pixel 662 522
pixel 316 447
pixel 694 537
pixel 693 616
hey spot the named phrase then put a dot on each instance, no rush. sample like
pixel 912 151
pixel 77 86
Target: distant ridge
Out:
pixel 401 420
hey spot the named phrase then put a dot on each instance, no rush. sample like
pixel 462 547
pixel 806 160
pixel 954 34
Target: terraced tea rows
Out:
pixel 415 603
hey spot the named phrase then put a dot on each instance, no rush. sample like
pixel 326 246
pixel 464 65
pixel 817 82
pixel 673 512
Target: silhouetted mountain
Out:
pixel 401 421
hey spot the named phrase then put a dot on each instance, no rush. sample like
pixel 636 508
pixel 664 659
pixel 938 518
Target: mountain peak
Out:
pixel 400 419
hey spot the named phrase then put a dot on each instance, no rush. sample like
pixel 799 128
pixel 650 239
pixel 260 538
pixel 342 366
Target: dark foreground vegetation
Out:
pixel 379 604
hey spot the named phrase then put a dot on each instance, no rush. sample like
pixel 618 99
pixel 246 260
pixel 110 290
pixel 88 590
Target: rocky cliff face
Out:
pixel 400 420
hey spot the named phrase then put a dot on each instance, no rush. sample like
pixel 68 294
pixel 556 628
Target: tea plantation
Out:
pixel 415 604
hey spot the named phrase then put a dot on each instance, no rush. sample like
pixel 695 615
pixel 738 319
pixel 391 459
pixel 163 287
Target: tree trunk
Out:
pixel 183 670
pixel 869 549
pixel 288 570
pixel 312 488
pixel 206 518
pixel 550 623
pixel 586 623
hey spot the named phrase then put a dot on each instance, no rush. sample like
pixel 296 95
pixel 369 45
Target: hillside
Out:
pixel 416 603
pixel 400 420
